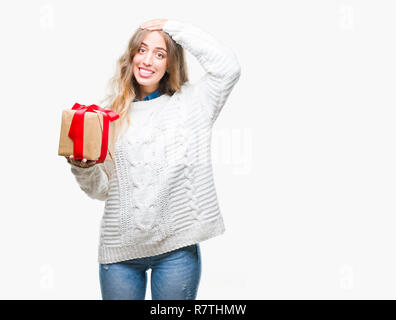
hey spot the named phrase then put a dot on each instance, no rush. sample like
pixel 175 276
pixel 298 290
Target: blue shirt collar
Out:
pixel 151 96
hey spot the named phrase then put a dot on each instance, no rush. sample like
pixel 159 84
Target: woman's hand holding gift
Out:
pixel 84 163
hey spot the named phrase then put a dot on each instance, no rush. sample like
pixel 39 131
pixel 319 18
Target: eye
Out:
pixel 162 56
pixel 140 49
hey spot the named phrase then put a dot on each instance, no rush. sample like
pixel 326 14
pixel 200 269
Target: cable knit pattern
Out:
pixel 159 192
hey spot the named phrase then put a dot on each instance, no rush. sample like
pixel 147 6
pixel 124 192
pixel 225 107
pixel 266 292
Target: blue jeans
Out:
pixel 175 275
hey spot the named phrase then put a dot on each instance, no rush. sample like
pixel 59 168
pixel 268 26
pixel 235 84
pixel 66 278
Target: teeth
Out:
pixel 145 71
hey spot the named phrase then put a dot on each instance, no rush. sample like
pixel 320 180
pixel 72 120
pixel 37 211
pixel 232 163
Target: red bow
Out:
pixel 76 132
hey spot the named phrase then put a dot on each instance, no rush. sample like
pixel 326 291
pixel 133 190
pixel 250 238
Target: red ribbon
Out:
pixel 76 132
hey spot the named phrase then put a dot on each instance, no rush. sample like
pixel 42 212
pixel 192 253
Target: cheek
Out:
pixel 162 66
pixel 136 61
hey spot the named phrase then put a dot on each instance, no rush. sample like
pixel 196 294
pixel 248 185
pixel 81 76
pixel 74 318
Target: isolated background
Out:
pixel 303 151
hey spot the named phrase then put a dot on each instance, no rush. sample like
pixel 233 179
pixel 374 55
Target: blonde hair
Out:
pixel 124 87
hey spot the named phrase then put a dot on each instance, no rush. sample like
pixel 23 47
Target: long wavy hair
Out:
pixel 124 88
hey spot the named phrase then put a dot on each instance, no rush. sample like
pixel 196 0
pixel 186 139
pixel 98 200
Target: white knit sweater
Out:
pixel 159 192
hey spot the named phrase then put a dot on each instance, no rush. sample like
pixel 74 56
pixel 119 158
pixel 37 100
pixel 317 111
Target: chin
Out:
pixel 146 83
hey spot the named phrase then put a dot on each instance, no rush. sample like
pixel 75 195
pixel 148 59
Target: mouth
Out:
pixel 146 70
pixel 144 73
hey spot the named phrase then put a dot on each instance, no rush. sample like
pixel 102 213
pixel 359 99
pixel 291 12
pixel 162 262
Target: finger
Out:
pixel 154 25
pixel 153 29
pixel 153 21
pixel 150 25
pixel 82 164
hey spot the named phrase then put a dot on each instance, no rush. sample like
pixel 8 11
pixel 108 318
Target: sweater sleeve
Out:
pixel 222 69
pixel 94 181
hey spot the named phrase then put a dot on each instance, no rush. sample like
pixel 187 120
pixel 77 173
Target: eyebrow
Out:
pixel 155 47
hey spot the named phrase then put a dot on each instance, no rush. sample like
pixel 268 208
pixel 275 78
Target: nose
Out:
pixel 148 58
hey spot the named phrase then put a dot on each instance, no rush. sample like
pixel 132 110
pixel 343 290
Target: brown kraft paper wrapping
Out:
pixel 93 126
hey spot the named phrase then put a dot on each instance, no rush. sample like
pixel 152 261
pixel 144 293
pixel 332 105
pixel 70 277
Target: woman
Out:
pixel 160 197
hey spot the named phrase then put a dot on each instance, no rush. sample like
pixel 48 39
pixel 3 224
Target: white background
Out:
pixel 303 151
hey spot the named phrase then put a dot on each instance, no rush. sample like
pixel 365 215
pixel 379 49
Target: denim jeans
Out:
pixel 175 275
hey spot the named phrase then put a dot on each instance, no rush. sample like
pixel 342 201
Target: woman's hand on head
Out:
pixel 84 163
pixel 155 24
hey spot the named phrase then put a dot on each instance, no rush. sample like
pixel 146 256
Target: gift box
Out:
pixel 87 132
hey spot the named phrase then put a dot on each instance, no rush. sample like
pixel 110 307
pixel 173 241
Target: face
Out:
pixel 149 63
